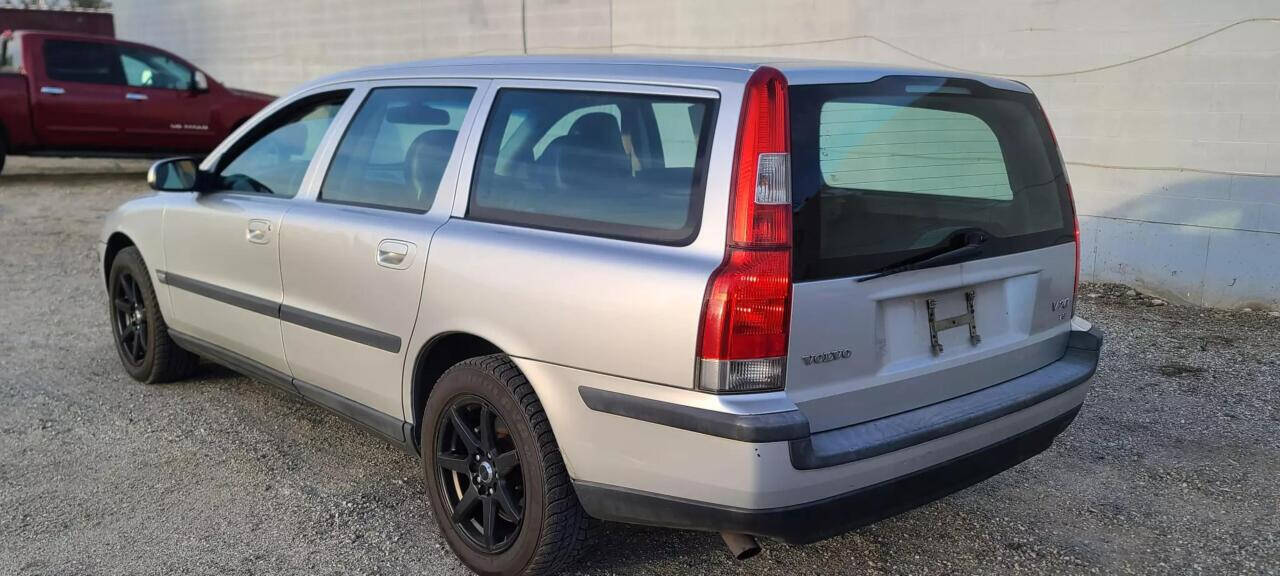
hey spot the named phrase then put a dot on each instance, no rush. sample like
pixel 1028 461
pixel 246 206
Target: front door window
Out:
pixel 275 155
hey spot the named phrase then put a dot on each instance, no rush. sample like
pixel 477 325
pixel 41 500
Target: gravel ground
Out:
pixel 1171 468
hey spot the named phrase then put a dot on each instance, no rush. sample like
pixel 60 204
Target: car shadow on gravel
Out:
pixel 615 549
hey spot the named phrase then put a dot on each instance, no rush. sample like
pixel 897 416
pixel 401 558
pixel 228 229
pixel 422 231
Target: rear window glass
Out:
pixel 897 168
pixel 10 54
pixel 910 150
pixel 628 166
pixel 87 62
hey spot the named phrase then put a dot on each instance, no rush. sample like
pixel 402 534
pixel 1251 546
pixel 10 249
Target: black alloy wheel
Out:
pixel 138 328
pixel 132 335
pixel 497 484
pixel 479 475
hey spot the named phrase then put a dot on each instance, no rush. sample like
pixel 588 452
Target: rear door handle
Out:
pixel 258 232
pixel 395 254
pixel 135 96
pixel 52 90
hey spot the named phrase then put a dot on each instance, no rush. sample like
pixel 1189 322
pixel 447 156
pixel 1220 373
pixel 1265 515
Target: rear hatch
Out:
pixel 886 175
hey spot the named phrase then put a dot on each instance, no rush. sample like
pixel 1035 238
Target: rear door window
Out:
pixel 897 168
pixel 396 150
pixel 594 163
pixel 87 62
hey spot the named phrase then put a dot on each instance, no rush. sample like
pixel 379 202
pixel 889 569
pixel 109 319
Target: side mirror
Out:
pixel 199 82
pixel 174 175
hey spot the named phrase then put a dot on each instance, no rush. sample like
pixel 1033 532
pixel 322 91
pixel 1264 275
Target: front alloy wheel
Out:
pixel 137 326
pixel 130 319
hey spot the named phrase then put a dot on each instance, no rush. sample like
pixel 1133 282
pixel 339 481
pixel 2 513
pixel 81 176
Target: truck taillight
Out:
pixel 742 343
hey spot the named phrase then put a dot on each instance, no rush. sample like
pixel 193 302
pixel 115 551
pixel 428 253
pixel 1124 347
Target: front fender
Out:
pixel 139 222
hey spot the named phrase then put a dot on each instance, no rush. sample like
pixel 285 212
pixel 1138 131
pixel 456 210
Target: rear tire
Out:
pixel 141 336
pixel 4 150
pixel 496 481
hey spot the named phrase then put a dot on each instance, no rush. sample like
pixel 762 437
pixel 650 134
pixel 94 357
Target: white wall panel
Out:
pixel 1168 111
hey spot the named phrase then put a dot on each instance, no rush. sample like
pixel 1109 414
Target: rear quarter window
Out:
pixel 620 165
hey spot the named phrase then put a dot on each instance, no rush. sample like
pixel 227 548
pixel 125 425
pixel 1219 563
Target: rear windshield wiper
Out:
pixel 961 246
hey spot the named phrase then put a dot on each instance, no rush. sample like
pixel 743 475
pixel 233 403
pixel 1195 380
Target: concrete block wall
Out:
pixel 1167 112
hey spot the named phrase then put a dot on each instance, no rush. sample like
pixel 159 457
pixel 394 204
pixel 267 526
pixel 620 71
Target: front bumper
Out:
pixel 653 455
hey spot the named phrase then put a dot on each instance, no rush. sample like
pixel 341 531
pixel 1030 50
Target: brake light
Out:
pixel 746 316
pixel 1071 198
pixel 1075 288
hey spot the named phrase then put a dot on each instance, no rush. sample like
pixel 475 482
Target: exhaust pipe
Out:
pixel 741 546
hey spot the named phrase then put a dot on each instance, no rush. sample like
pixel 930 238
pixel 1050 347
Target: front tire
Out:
pixel 497 484
pixel 142 339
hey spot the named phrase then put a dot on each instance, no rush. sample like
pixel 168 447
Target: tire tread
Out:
pixel 567 530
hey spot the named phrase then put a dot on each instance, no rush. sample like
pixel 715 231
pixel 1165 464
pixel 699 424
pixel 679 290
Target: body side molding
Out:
pixel 340 328
pixel 291 314
pixel 225 295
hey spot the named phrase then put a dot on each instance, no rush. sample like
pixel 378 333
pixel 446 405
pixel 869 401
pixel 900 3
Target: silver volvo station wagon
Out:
pixel 765 299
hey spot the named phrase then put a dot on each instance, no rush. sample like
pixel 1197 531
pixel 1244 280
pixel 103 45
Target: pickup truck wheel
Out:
pixel 4 150
pixel 497 484
pixel 141 335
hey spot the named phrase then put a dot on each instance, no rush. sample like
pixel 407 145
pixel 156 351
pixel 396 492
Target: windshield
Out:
pixel 890 170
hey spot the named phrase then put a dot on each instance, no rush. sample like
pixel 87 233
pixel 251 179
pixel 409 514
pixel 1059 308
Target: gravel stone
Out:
pixel 1171 467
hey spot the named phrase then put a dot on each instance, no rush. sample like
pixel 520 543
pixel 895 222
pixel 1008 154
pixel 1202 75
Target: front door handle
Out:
pixel 395 254
pixel 52 90
pixel 135 96
pixel 258 232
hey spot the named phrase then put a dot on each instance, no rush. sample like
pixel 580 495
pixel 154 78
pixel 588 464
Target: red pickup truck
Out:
pixel 71 94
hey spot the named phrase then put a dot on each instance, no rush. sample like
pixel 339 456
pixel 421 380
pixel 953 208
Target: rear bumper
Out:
pixel 821 519
pixel 764 474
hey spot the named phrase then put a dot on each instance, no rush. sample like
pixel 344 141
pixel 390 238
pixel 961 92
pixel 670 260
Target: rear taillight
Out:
pixel 742 343
pixel 1071 198
pixel 1075 288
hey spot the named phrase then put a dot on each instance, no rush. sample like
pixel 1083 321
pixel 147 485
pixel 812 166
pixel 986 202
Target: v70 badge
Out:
pixel 936 326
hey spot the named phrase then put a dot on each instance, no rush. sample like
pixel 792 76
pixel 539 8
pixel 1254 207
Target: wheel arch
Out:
pixel 115 243
pixel 439 354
